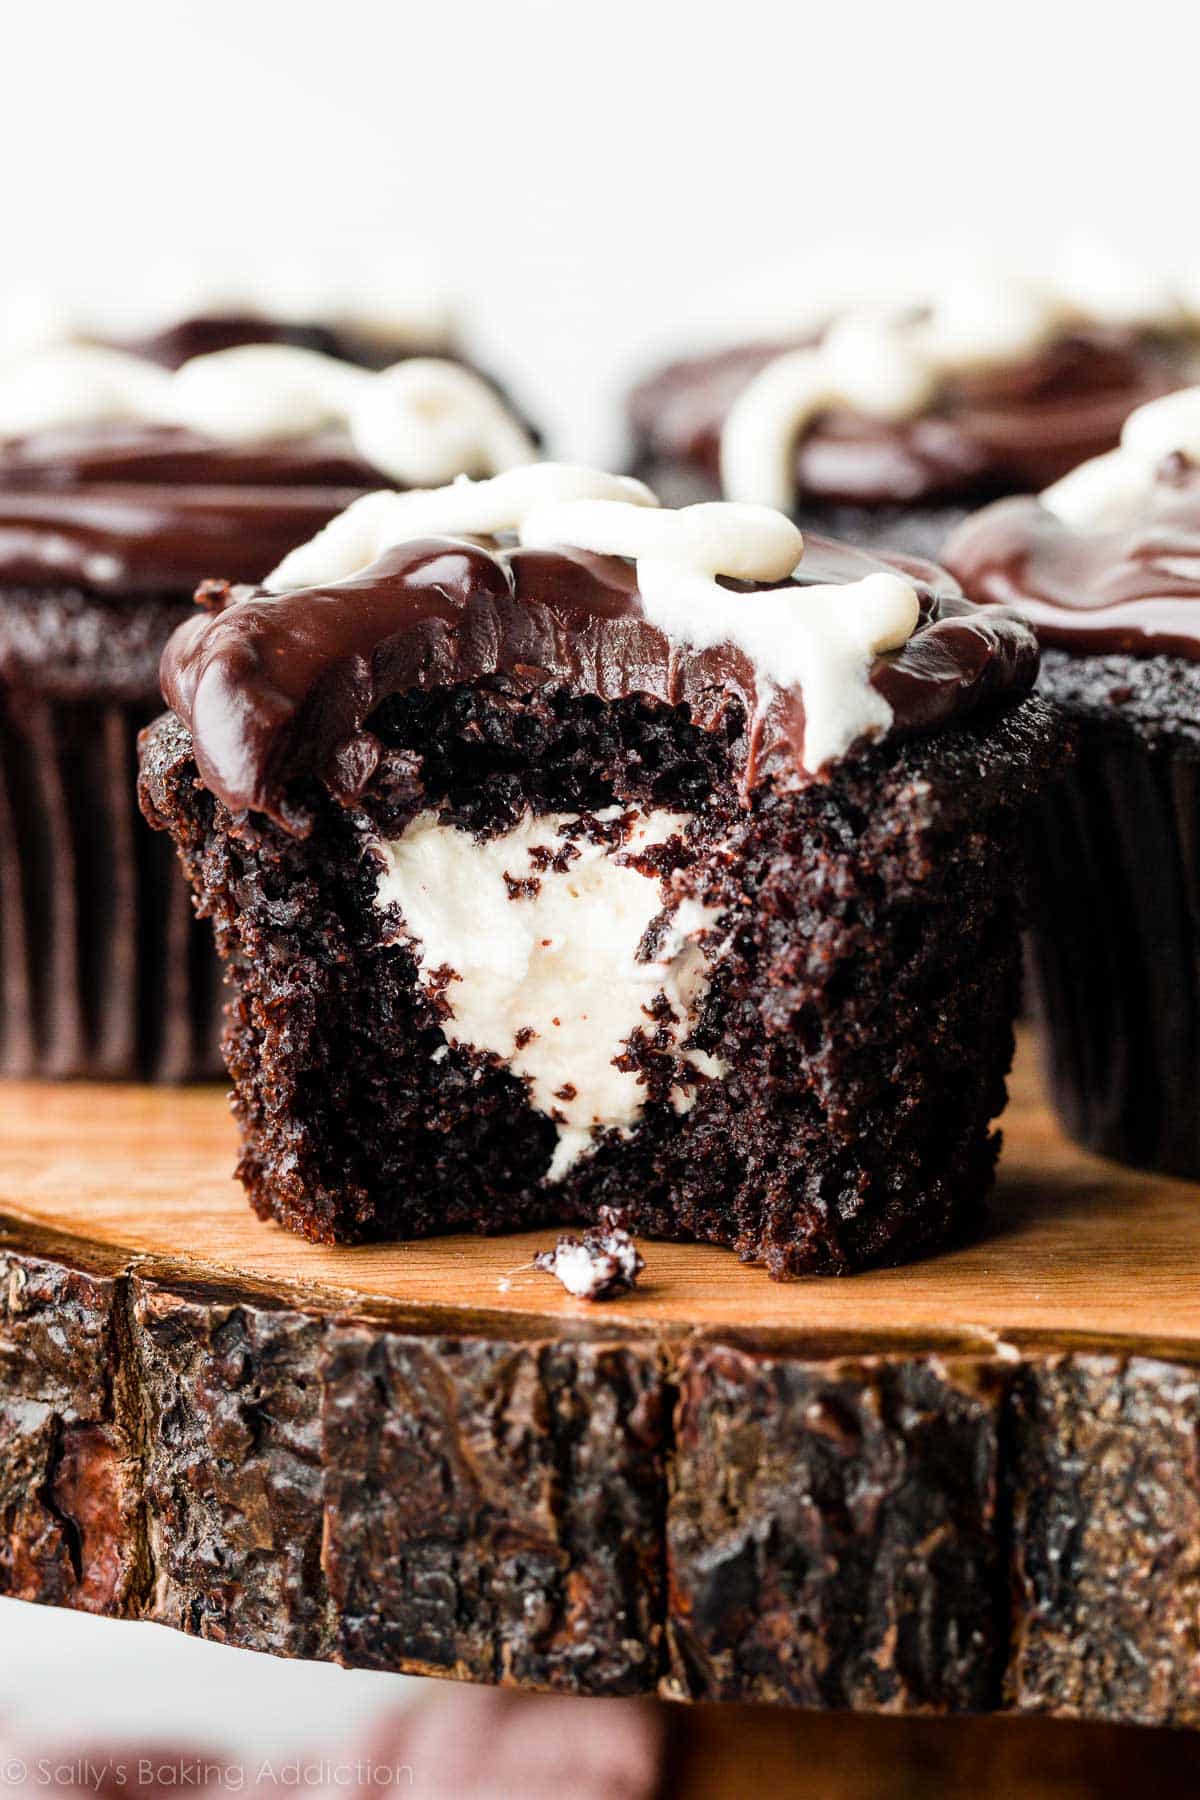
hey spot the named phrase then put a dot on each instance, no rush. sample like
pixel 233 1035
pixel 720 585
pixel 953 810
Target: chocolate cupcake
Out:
pixel 887 425
pixel 121 489
pixel 1106 566
pixel 565 852
pixel 374 318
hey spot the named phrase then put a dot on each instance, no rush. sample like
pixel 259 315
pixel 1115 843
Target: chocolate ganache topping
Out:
pixel 1107 560
pixel 154 538
pixel 1002 428
pixel 66 457
pixel 120 479
pixel 283 682
pixel 128 509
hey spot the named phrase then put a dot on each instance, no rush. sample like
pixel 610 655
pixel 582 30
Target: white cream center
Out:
pixel 542 930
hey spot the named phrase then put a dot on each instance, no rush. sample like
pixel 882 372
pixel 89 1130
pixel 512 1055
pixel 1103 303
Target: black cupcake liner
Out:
pixel 1115 902
pixel 104 969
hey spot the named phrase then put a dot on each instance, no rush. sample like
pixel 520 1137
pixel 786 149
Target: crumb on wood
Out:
pixel 601 1264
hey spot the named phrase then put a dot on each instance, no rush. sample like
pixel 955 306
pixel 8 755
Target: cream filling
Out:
pixel 541 965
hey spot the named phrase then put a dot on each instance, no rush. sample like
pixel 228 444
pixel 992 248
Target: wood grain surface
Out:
pixel 968 1485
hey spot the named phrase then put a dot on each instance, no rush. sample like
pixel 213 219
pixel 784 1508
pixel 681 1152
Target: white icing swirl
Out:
pixel 820 639
pixel 426 422
pixel 889 362
pixel 1106 492
pixel 378 522
pixel 399 301
pixel 423 421
pixel 256 392
pixel 1097 283
pixel 79 385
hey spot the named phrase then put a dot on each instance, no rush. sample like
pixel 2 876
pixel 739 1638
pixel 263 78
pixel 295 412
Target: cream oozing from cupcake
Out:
pixel 888 362
pixel 534 944
pixel 820 640
pixel 420 422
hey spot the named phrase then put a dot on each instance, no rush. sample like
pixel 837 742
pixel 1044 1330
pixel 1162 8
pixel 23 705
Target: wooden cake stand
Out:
pixel 968 1485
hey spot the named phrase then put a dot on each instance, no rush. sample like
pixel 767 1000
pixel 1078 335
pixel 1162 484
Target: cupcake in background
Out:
pixel 374 314
pixel 375 322
pixel 122 487
pixel 886 420
pixel 1105 564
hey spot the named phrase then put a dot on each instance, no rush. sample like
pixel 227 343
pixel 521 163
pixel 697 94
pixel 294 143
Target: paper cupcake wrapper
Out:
pixel 1115 876
pixel 105 971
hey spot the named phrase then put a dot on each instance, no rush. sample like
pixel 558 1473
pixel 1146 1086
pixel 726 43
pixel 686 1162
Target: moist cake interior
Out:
pixel 822 1104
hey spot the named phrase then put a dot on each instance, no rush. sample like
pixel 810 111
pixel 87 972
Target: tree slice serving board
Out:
pixel 968 1485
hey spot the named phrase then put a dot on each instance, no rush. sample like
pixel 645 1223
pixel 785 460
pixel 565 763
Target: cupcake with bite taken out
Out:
pixel 565 849
pixel 123 487
pixel 1105 564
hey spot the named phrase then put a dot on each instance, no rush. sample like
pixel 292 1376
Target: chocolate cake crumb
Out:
pixel 526 887
pixel 213 596
pixel 558 861
pixel 599 831
pixel 656 860
pixel 601 1264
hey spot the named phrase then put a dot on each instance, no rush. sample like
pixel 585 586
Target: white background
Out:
pixel 592 178
pixel 591 175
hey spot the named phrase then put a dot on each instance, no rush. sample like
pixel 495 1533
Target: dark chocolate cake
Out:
pixel 108 522
pixel 561 861
pixel 888 428
pixel 1106 566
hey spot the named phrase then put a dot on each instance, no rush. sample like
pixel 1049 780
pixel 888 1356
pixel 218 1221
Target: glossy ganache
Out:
pixel 1005 430
pixel 277 687
pixel 1131 588
pixel 72 456
pixel 135 509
